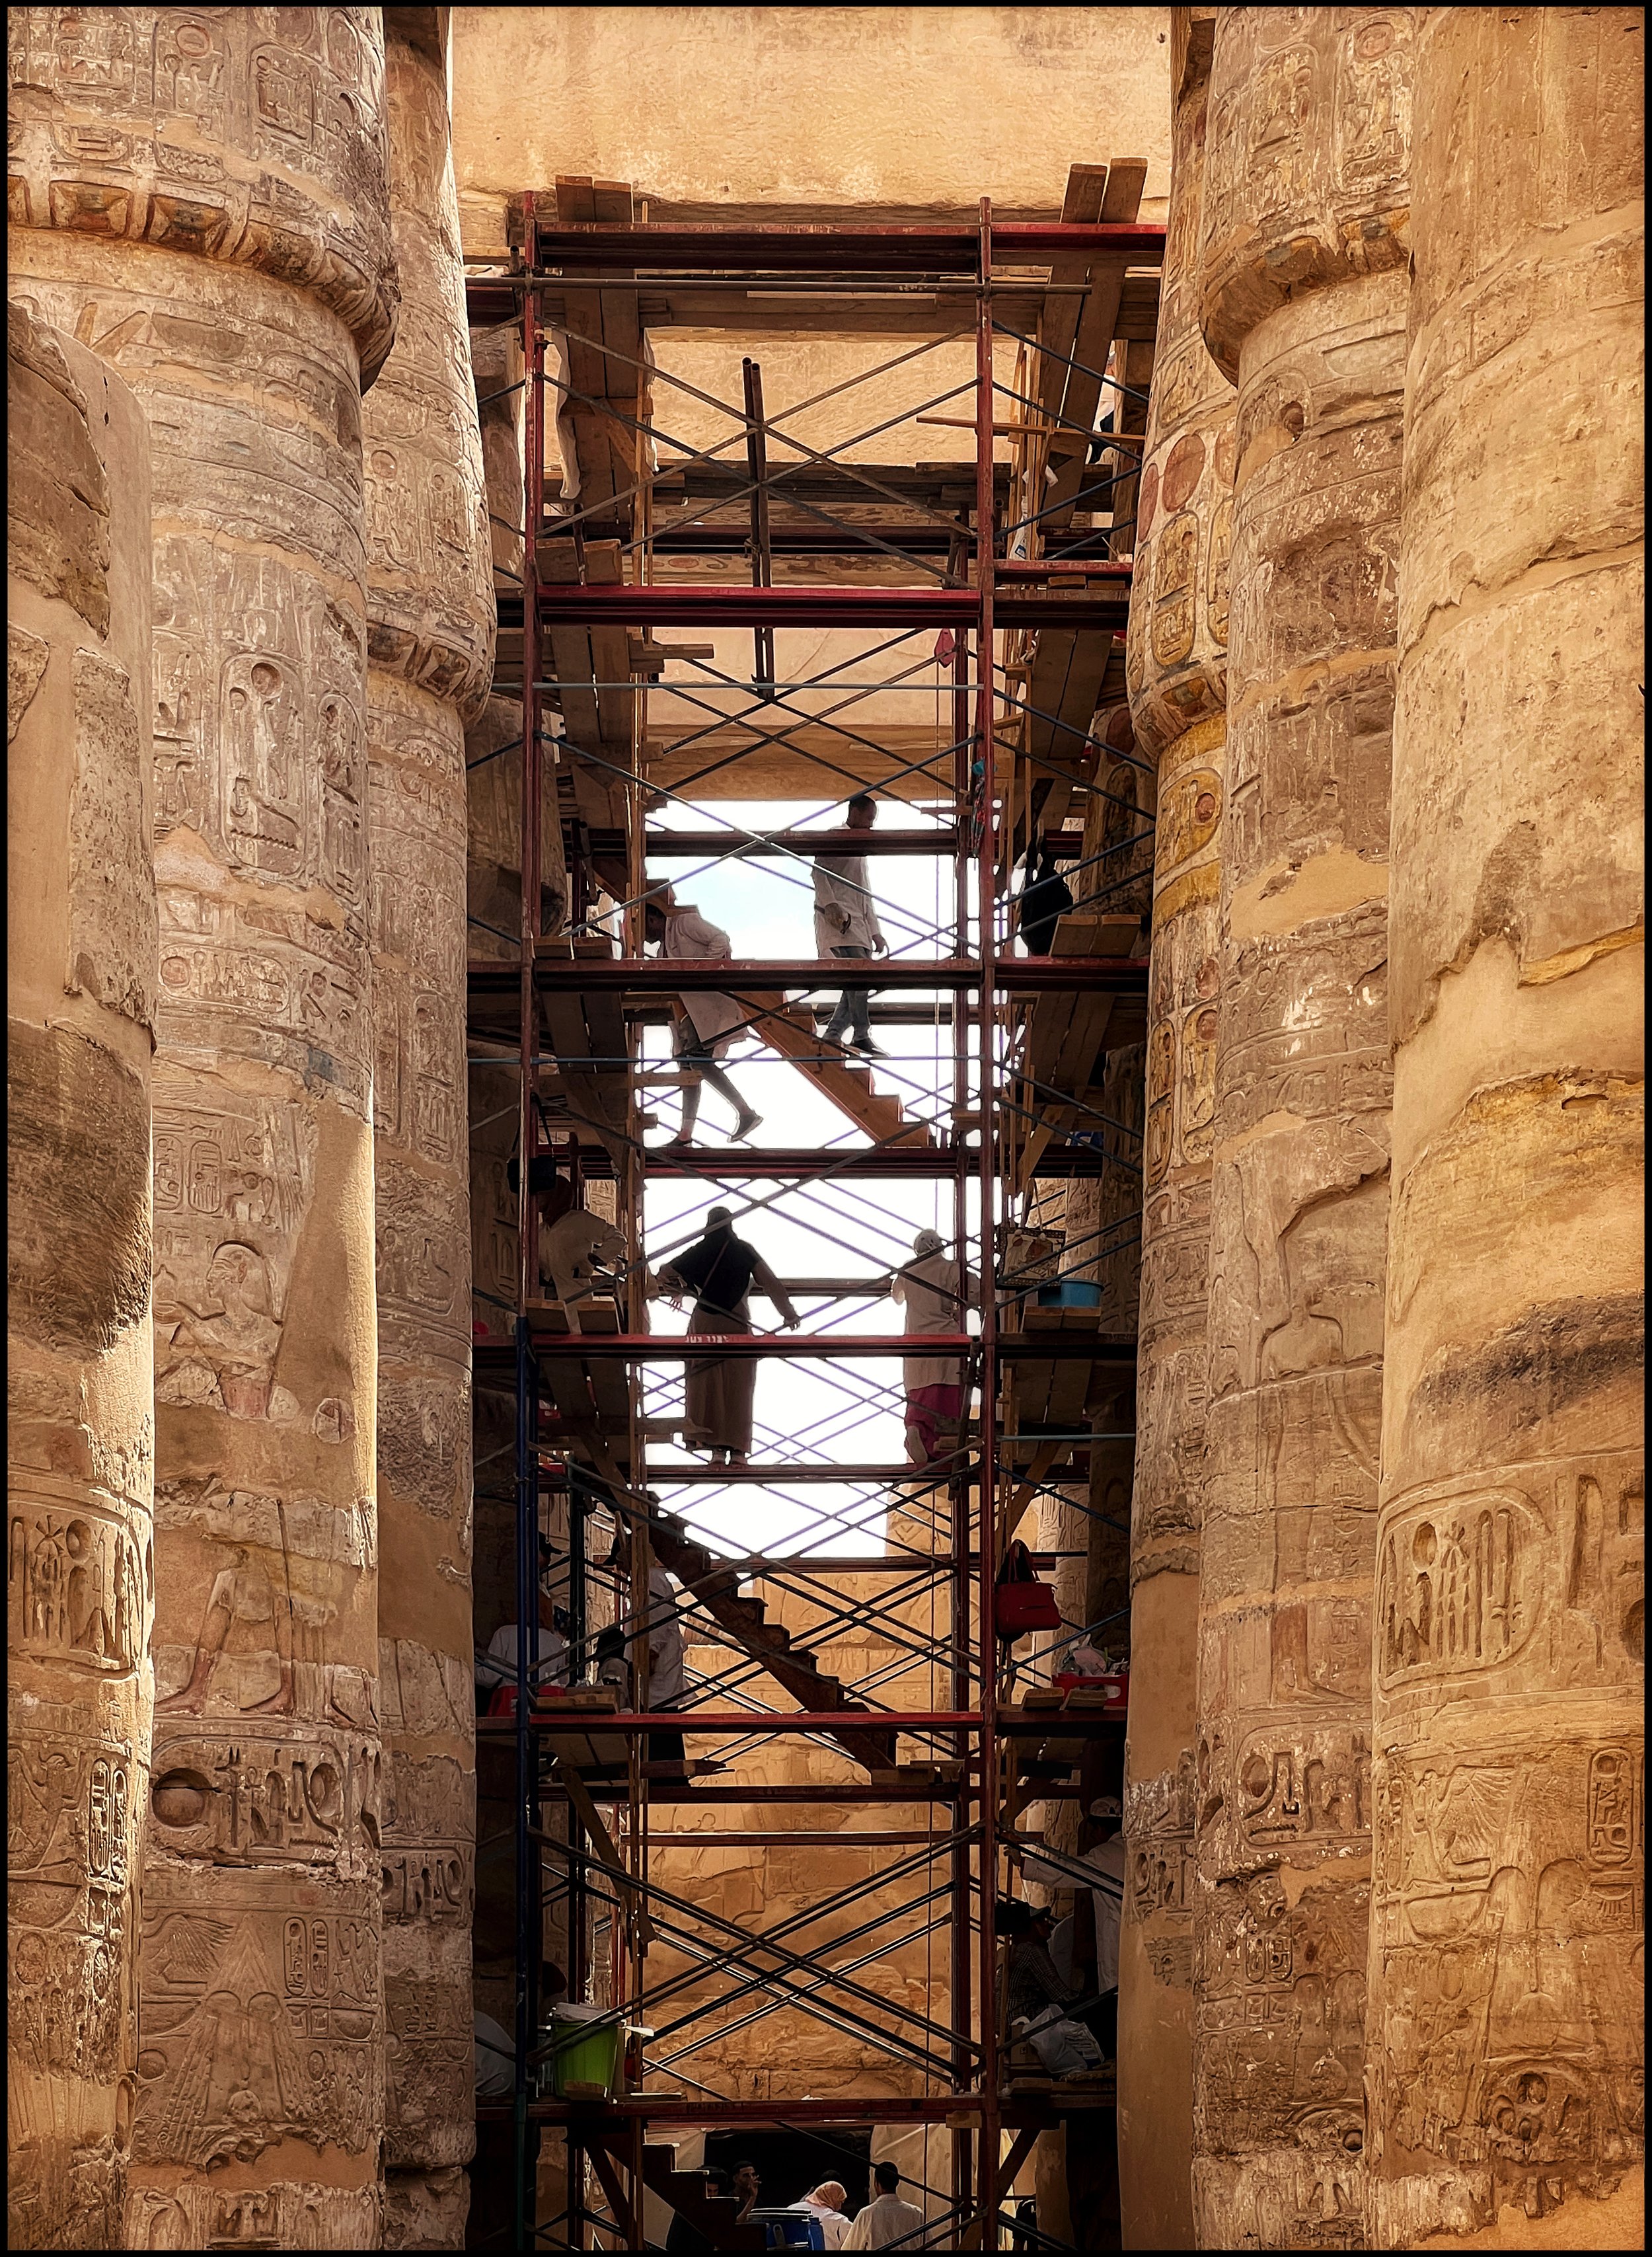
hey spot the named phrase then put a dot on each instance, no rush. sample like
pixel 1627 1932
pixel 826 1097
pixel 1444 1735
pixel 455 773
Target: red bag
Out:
pixel 1021 1603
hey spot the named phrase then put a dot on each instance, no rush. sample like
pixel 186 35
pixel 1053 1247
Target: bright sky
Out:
pixel 819 1412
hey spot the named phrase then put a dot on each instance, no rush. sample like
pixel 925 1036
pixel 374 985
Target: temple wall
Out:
pixel 1303 286
pixel 203 200
pixel 430 634
pixel 1176 672
pixel 1503 2028
pixel 80 978
pixel 796 110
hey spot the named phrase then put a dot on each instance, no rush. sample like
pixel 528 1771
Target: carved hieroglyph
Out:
pixel 1304 187
pixel 80 1546
pixel 1176 667
pixel 200 198
pixel 430 652
pixel 1504 2022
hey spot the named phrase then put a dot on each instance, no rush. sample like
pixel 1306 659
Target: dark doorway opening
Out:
pixel 789 2164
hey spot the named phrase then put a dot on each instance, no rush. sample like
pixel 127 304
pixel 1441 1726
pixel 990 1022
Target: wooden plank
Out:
pixel 1098 326
pixel 1086 184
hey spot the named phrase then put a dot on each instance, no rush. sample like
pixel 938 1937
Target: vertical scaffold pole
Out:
pixel 987 1485
pixel 529 1917
pixel 958 1486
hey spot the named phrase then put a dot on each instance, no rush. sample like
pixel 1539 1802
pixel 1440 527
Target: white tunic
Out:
pixel 840 883
pixel 834 2226
pixel 1108 1858
pixel 497 1666
pixel 666 1642
pixel 691 938
pixel 886 2220
pixel 567 1248
pixel 930 1290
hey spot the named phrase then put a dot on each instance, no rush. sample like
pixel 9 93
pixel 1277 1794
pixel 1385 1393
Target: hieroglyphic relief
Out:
pixel 1290 207
pixel 261 1797
pixel 429 1898
pixel 270 1619
pixel 233 1186
pixel 181 127
pixel 1507 1965
pixel 261 2022
pixel 1176 664
pixel 431 615
pixel 1312 328
pixel 79 1554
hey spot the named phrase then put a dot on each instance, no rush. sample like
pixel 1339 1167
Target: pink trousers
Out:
pixel 926 1408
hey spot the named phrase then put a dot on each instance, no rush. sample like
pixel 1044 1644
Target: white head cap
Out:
pixel 928 1241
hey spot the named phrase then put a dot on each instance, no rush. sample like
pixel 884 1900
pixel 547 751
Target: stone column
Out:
pixel 1504 2024
pixel 81 969
pixel 1177 670
pixel 201 198
pixel 1304 303
pixel 430 652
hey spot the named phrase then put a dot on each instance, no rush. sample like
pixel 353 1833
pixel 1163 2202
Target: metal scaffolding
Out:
pixel 1016 576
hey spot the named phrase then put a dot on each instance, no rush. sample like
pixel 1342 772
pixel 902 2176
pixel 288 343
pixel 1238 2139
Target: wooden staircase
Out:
pixel 717 1588
pixel 688 2195
pixel 789 1029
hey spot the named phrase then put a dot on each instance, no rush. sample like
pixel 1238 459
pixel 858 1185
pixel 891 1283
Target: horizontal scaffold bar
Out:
pixel 566 249
pixel 661 2108
pixel 762 1724
pixel 676 1347
pixel 661 605
pixel 664 846
pixel 735 1163
pixel 759 1722
pixel 1020 975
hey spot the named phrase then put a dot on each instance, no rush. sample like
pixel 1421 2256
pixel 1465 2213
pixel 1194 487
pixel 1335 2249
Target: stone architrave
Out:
pixel 1304 303
pixel 1177 671
pixel 81 973
pixel 430 632
pixel 201 199
pixel 1503 2029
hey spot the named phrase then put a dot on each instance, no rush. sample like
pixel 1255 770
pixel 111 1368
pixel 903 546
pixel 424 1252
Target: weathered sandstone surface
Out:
pixel 1176 669
pixel 202 199
pixel 1303 287
pixel 1503 2030
pixel 81 978
pixel 430 653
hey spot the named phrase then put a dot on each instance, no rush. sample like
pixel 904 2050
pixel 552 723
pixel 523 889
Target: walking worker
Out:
pixel 720 1270
pixel 935 1291
pixel 887 2220
pixel 846 925
pixel 706 1024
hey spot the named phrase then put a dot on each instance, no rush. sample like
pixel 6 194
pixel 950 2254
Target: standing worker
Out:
pixel 706 1024
pixel 887 2220
pixel 720 1270
pixel 846 925
pixel 668 1675
pixel 935 1290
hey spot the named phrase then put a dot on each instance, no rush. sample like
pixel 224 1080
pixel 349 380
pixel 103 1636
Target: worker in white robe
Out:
pixel 886 2220
pixel 575 1248
pixel 707 1022
pixel 846 925
pixel 936 1293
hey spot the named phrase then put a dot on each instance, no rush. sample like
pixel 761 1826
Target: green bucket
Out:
pixel 586 2042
